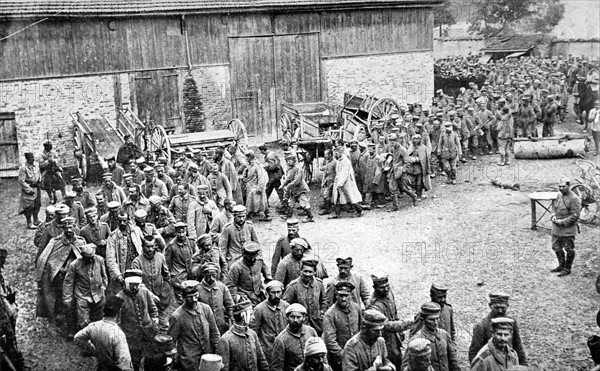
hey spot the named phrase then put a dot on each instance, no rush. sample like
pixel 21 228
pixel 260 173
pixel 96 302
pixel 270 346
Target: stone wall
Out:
pixel 578 48
pixel 42 110
pixel 405 77
pixel 453 47
pixel 215 92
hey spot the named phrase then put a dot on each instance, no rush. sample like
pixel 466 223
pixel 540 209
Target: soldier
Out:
pixel 51 268
pixel 50 213
pixel 295 188
pixel 153 186
pixel 438 293
pixel 450 151
pixel 135 201
pixel 567 208
pixel 289 268
pixel 234 235
pixel 112 216
pixel 85 281
pixel 282 246
pixel 207 252
pixel 31 198
pixel 315 356
pixel 526 119
pixel 366 350
pixel 221 189
pixel 115 169
pixel 81 195
pixel 268 318
pixel 244 279
pixel 110 190
pixel 105 339
pixel 193 328
pixel 156 277
pixel 180 204
pixel 149 229
pixel 239 346
pixel 54 229
pixel 341 321
pixel 229 170
pixel 137 170
pixel 201 213
pixel 345 189
pixel 288 347
pixel 360 295
pixel 397 179
pixel 8 319
pixel 443 352
pixel 309 291
pixel 549 117
pixel 216 295
pixel 383 300
pixel 419 355
pixel 122 247
pixel 128 183
pixel 95 231
pixel 178 255
pixel 161 217
pixel 163 177
pixel 101 204
pixel 75 208
pixel 482 331
pixel 497 354
pixel 419 166
pixel 139 315
pixel 505 130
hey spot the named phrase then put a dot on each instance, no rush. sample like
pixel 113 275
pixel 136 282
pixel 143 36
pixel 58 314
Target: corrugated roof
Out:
pixel 57 8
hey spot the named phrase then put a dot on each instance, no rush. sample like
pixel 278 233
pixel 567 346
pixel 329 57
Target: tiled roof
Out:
pixel 38 8
pixel 513 43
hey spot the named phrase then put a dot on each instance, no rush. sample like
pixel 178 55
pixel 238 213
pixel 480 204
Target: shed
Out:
pixel 512 46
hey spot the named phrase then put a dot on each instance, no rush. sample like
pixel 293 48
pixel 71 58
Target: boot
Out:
pixel 309 216
pixel 36 220
pixel 501 163
pixel 336 212
pixel 326 208
pixel 28 219
pixel 368 203
pixel 560 255
pixel 283 209
pixel 394 203
pixel 568 263
pixel 507 159
pixel 358 210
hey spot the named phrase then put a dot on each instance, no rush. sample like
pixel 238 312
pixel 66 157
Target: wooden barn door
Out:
pixel 253 85
pixel 157 98
pixel 297 66
pixel 9 153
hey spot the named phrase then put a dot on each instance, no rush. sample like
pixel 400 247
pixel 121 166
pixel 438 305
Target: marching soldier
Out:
pixel 497 354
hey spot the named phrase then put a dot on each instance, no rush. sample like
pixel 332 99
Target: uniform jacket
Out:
pixel 199 217
pixel 490 358
pixel 108 343
pixel 214 256
pixel 163 220
pixel 339 326
pixel 180 206
pixel 345 184
pixel 195 333
pixel 312 297
pixel 482 332
pixel 268 321
pixel 294 181
pixel 218 298
pixel 220 185
pixel 233 238
pixel 95 234
pixel 28 176
pixel 76 211
pixel 117 173
pixel 241 351
pixel 85 199
pixel 138 318
pixel 114 193
pixel 282 249
pixel 130 206
pixel 178 256
pixel 449 146
pixel 156 276
pixel 358 356
pixel 246 281
pixel 443 351
pixel 256 179
pixel 116 250
pixel 56 254
pixel 288 349
pixel 393 328
pixel 155 187
pixel 85 281
pixel 360 295
pixel 566 210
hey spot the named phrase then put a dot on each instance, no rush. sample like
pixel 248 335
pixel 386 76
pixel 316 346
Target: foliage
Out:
pixel 546 16
pixel 443 15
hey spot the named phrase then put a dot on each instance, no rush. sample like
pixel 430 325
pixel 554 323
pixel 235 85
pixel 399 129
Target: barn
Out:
pixel 194 65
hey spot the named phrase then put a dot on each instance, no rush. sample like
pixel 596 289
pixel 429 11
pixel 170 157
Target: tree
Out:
pixel 443 16
pixel 498 17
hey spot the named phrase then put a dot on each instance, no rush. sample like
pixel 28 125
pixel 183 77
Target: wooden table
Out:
pixel 545 200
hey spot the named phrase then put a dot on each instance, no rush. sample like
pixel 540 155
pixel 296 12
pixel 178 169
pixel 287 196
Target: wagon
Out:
pixel 360 115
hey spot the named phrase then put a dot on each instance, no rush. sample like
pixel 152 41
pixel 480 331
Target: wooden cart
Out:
pixel 359 115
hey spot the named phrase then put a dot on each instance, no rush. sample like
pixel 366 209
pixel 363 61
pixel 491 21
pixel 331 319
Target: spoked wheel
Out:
pixel 158 143
pixel 237 127
pixel 381 112
pixel 590 207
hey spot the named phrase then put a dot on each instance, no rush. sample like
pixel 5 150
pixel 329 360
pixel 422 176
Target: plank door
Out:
pixel 157 98
pixel 253 86
pixel 9 152
pixel 297 66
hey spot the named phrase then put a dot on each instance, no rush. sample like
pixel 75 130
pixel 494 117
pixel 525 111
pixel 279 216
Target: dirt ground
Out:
pixel 472 235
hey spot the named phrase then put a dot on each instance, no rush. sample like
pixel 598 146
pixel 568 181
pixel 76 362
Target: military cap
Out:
pixel 551 96
pixel 242 306
pixel 431 309
pixel 370 145
pixel 564 181
pixel 193 166
pixel 203 187
pixel 438 286
pixel 419 348
pixel 251 247
pixel 140 160
pixel 480 100
pixel 69 220
pixel 498 298
pixel 165 344
pixel 127 176
pixel 107 175
pixel 177 165
pixel 209 267
pixel 311 261
pixel 344 286
pixel 50 209
pixel 502 100
pixel 76 180
pixel 273 283
pixel 393 137
pixel 292 221
pixel 439 114
pixel 62 209
pixel 239 209
pixel 374 318
pixel 140 214
pixel 91 211
pixel 189 287
pixel 204 238
pixel 148 169
pixel 470 108
pixel 344 262
pixel 439 91
pixel 180 225
pixel 448 124
pixel 113 205
pixel 70 194
pixel 149 240
pixel 133 276
pixel 380 279
pixel 296 307
pixel 211 362
pixel 89 249
pixel 416 136
pixel 110 158
pixel 503 322
pixel 299 242
pixel 155 200
pixel 314 345
pixel 122 216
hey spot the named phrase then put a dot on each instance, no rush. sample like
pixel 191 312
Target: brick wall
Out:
pixel 215 93
pixel 42 109
pixel 405 77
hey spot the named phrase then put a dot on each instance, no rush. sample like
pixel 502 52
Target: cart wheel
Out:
pixel 285 125
pixel 381 112
pixel 158 143
pixel 589 204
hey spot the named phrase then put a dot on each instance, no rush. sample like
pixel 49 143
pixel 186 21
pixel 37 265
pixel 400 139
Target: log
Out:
pixel 564 146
